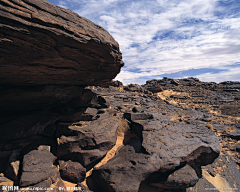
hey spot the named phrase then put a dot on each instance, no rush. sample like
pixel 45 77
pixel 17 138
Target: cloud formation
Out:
pixel 163 37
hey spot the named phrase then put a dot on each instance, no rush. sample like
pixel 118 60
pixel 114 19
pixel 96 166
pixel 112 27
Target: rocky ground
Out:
pixel 176 122
pixel 61 131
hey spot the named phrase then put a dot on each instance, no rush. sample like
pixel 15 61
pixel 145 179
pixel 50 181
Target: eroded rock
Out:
pixel 37 167
pixel 56 53
pixel 52 45
pixel 87 142
pixel 181 179
pixel 12 170
pixel 72 171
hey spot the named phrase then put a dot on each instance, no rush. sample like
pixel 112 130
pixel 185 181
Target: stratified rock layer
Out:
pixel 47 52
pixel 87 142
pixel 162 150
pixel 38 167
pixel 43 44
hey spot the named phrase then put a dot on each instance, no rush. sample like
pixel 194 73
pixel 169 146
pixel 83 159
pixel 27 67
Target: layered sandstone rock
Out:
pixel 182 138
pixel 41 44
pixel 48 55
pixel 47 52
pixel 44 104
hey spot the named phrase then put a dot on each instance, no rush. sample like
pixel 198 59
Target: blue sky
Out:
pixel 169 38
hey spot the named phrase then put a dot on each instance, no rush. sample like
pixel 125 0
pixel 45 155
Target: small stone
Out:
pixel 72 171
pixel 44 148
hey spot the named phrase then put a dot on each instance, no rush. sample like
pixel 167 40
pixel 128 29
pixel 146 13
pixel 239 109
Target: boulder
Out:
pixel 166 146
pixel 181 179
pixel 87 141
pixel 52 45
pixel 72 171
pixel 124 172
pixel 38 167
pixel 233 134
pixel 48 53
pixel 178 142
pixel 13 166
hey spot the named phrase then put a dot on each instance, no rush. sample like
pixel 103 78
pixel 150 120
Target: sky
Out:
pixel 169 38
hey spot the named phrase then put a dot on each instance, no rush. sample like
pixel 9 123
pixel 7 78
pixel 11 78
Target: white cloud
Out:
pixel 230 74
pixel 159 37
pixel 63 4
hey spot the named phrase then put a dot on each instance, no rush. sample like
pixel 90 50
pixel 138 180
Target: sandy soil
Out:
pixel 218 182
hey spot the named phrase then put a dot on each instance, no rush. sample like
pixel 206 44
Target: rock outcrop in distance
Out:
pixel 59 126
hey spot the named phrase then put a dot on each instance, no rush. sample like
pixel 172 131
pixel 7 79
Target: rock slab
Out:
pixel 47 53
pixel 73 171
pixel 52 45
pixel 37 167
pixel 87 141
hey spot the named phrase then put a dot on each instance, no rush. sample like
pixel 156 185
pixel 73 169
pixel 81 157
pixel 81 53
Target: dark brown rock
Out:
pixel 180 179
pixel 138 116
pixel 73 171
pixel 134 88
pixel 27 126
pixel 52 45
pixel 234 135
pixel 87 142
pixel 54 183
pixel 85 115
pixel 116 83
pixel 177 135
pixel 156 89
pixel 55 97
pixel 178 142
pixel 47 53
pixel 37 167
pixel 124 172
pixel 12 170
pixel 167 146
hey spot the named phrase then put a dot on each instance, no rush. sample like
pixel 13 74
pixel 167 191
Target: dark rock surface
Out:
pixel 170 137
pixel 12 170
pixel 47 54
pixel 170 134
pixel 72 171
pixel 183 178
pixel 27 126
pixel 124 172
pixel 164 145
pixel 37 167
pixel 52 45
pixel 87 142
pixel 177 140
pixel 20 100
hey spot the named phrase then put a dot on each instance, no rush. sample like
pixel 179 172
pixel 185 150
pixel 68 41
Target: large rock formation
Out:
pixel 177 147
pixel 164 152
pixel 48 55
pixel 87 142
pixel 168 141
pixel 44 48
